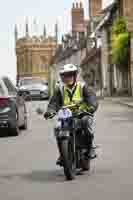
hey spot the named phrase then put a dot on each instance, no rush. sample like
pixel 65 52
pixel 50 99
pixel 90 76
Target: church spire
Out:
pixel 16 32
pixel 44 31
pixel 26 28
pixel 56 32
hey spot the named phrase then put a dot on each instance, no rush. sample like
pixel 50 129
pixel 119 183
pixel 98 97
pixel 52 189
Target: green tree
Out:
pixel 120 42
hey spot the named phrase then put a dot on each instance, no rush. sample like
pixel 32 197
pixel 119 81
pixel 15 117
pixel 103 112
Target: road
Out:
pixel 27 162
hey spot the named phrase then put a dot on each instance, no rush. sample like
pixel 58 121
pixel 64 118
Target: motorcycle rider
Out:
pixel 71 91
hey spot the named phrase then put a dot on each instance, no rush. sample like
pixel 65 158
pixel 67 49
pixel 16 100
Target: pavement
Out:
pixel 126 101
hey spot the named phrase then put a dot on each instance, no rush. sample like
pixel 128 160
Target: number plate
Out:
pixel 64 134
pixel 34 92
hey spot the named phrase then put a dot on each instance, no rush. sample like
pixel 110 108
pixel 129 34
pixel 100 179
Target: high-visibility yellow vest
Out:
pixel 76 97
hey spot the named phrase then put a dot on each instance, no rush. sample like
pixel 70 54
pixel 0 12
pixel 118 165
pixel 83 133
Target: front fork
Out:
pixel 72 140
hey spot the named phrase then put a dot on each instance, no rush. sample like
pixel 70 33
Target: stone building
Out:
pixel 34 54
pixel 117 80
pixel 109 71
pixel 91 69
pixel 126 9
pixel 91 63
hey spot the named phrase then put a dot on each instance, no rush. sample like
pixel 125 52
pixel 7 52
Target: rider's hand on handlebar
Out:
pixel 85 112
pixel 47 115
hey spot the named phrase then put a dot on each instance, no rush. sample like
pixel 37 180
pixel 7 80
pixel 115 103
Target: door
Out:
pixel 12 91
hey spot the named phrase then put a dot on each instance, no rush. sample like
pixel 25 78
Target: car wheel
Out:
pixel 15 131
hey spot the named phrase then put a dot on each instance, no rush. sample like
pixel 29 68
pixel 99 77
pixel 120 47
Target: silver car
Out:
pixel 13 114
pixel 32 87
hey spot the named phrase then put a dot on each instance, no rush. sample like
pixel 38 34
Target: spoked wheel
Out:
pixel 67 154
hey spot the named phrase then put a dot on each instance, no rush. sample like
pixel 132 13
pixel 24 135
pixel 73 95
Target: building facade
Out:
pixel 77 48
pixel 127 12
pixel 117 79
pixel 95 15
pixel 91 63
pixel 34 54
pixel 91 70
pixel 95 7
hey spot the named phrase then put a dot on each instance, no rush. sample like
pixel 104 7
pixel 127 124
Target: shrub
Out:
pixel 120 42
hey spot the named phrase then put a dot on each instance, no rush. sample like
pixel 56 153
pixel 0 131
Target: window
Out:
pixel 32 81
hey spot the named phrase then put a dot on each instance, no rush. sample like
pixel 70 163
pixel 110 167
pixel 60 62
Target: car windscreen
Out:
pixel 1 91
pixel 9 85
pixel 32 82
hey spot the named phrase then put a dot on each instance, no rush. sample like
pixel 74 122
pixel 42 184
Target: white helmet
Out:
pixel 68 68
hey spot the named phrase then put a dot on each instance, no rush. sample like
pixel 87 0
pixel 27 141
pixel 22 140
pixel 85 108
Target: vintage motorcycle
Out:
pixel 73 143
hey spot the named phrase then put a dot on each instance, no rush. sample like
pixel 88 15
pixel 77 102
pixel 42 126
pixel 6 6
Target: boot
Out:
pixel 94 146
pixel 92 153
pixel 59 161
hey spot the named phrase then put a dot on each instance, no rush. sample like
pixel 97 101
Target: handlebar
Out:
pixel 51 116
pixel 77 104
pixel 69 106
pixel 85 112
pixel 72 106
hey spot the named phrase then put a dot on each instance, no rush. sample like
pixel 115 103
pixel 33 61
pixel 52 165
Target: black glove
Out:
pixel 48 115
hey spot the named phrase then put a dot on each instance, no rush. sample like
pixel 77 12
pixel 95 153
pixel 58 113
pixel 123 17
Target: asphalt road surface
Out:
pixel 27 162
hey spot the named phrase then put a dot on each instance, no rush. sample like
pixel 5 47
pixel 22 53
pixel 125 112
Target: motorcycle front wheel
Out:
pixel 67 154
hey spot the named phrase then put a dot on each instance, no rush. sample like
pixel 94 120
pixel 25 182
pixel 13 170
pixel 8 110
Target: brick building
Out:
pixel 95 7
pixel 79 24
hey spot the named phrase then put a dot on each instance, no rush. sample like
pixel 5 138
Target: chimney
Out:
pixel 77 15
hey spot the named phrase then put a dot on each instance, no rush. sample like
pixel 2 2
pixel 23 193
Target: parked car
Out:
pixel 13 115
pixel 34 87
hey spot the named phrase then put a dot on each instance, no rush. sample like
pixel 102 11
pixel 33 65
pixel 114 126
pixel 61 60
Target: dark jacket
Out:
pixel 89 96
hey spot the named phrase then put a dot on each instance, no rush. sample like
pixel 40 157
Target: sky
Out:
pixel 44 12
